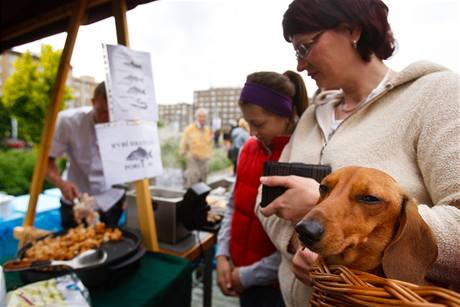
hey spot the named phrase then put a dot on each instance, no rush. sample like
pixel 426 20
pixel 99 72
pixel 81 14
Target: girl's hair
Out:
pixel 289 84
pixel 305 16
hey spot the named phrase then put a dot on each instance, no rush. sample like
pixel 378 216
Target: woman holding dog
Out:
pixel 404 123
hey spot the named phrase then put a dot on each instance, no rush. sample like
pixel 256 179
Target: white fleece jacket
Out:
pixel 411 131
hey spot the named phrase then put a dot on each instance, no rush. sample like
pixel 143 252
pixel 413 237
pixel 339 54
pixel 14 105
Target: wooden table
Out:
pixel 201 246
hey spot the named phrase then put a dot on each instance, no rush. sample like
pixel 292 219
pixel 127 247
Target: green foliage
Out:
pixel 160 123
pixel 16 169
pixel 61 164
pixel 219 161
pixel 5 122
pixel 16 166
pixel 170 155
pixel 27 92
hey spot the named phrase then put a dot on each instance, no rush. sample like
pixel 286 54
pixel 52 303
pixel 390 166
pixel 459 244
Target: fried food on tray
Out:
pixel 74 242
pixel 216 201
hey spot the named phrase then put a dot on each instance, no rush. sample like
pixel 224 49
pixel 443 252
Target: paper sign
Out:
pixel 130 151
pixel 130 91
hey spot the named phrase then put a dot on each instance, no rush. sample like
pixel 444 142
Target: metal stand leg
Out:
pixel 207 278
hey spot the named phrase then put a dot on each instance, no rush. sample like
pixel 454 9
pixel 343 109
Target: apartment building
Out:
pixel 82 91
pixel 222 104
pixel 177 116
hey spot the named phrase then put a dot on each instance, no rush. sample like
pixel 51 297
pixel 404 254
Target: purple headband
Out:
pixel 267 98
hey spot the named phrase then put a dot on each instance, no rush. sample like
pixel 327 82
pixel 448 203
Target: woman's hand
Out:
pixel 224 276
pixel 236 282
pixel 302 263
pixel 301 196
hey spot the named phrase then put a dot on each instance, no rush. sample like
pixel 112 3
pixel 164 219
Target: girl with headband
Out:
pixel 247 261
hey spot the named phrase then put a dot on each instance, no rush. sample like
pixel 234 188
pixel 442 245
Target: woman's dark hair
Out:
pixel 289 84
pixel 305 16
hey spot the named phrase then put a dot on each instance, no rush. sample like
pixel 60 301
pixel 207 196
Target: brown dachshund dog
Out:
pixel 365 221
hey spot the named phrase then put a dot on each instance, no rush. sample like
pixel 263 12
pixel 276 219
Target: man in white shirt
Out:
pixel 75 136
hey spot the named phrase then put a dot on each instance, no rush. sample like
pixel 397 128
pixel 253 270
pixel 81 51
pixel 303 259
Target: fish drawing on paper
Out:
pixel 133 78
pixel 135 90
pixel 140 104
pixel 133 64
pixel 140 154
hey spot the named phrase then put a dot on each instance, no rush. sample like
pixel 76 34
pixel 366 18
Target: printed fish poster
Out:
pixel 130 151
pixel 129 84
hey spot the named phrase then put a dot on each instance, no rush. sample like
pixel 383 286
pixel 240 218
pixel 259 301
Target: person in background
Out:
pixel 197 146
pixel 216 137
pixel 227 139
pixel 216 130
pixel 239 135
pixel 404 123
pixel 228 142
pixel 247 262
pixel 75 136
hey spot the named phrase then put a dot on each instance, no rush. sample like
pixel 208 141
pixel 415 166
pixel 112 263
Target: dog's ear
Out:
pixel 409 256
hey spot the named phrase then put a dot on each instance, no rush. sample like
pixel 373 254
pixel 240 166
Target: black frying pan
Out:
pixel 119 253
pixel 116 250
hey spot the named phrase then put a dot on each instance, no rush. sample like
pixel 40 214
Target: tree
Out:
pixel 27 92
pixel 5 122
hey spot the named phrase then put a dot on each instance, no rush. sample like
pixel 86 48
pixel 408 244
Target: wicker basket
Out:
pixel 336 285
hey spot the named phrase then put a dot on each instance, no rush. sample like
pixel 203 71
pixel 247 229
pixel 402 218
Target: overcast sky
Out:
pixel 198 44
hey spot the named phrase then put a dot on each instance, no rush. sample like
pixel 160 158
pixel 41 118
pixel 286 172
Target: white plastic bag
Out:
pixel 2 288
pixel 65 290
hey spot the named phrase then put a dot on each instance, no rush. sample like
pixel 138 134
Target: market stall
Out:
pixel 155 277
pixel 23 22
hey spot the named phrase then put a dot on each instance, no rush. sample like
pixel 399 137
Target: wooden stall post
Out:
pixel 53 109
pixel 143 196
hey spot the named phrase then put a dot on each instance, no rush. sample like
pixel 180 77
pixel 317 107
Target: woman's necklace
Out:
pixel 349 110
pixel 372 94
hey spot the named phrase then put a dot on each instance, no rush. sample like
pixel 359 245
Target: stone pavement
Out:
pixel 218 299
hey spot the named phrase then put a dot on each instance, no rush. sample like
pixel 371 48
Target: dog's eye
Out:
pixel 323 189
pixel 369 199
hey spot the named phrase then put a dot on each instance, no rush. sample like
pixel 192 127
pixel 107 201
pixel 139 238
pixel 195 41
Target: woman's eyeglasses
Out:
pixel 304 49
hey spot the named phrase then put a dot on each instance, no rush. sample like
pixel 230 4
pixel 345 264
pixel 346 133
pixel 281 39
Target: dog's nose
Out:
pixel 310 231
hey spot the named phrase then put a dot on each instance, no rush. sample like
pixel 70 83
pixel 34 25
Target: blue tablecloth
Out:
pixel 12 214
